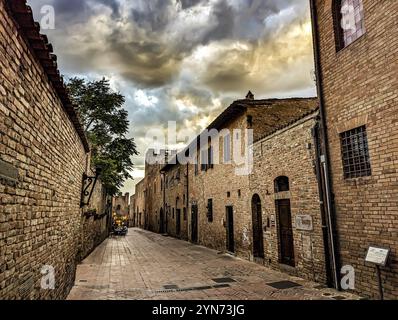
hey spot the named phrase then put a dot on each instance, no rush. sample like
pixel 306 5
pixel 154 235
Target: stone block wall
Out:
pixel 360 89
pixel 290 153
pixel 42 158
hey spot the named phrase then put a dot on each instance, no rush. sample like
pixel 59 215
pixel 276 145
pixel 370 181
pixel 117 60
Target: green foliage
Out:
pixel 106 124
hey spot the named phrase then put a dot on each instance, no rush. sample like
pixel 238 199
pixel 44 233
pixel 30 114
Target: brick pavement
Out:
pixel 150 266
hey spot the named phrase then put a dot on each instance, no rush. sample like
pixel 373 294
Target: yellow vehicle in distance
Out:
pixel 120 224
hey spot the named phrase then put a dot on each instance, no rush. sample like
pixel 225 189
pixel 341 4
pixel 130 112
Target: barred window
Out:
pixel 349 22
pixel 355 153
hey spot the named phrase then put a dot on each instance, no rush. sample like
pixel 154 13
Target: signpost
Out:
pixel 378 256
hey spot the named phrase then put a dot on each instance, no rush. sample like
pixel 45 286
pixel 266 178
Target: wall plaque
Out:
pixel 304 222
pixel 273 223
pixel 377 256
pixel 8 172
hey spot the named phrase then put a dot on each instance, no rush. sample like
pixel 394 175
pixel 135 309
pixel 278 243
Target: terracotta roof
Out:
pixel 43 51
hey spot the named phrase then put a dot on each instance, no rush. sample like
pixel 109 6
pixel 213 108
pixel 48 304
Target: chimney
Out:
pixel 250 96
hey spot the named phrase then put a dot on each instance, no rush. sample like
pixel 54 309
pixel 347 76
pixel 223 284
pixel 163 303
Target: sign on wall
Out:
pixel 377 256
pixel 304 222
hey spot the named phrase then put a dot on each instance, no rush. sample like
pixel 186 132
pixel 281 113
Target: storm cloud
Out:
pixel 184 60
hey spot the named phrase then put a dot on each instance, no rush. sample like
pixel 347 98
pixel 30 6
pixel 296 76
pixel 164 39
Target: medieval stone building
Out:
pixel 356 55
pixel 240 207
pixel 121 204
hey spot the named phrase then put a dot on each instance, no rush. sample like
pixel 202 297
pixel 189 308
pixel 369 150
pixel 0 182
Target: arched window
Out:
pixel 282 184
pixel 349 21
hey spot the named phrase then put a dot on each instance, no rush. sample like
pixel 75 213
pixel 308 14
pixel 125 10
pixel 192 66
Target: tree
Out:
pixel 106 124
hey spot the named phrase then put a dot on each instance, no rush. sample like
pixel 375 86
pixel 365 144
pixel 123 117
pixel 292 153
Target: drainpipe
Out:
pixel 325 162
pixel 187 203
pixel 163 177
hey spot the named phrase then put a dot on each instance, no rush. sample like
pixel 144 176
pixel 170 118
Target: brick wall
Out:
pixel 140 203
pixel 41 222
pixel 290 153
pixel 175 200
pixel 222 185
pixel 360 88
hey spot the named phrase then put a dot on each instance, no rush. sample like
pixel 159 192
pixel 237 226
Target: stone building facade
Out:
pixel 121 204
pixel 357 70
pixel 286 229
pixel 155 217
pixel 175 219
pixel 139 209
pixel 43 156
pixel 211 202
pixel 132 213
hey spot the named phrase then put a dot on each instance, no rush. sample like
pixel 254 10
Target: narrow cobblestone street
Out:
pixel 145 265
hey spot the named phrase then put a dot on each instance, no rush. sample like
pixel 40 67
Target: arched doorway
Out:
pixel 283 209
pixel 257 222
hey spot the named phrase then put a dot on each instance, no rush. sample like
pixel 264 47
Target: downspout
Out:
pixel 187 204
pixel 163 176
pixel 325 158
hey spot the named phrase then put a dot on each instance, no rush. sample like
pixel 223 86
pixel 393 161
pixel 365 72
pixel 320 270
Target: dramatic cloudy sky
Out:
pixel 184 60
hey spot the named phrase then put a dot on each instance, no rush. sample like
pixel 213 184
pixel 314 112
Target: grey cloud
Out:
pixel 186 4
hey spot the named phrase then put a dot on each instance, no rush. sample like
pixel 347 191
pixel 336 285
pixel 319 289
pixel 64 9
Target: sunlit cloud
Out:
pixel 184 60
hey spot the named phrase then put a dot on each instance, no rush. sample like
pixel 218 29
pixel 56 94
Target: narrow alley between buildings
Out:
pixel 144 265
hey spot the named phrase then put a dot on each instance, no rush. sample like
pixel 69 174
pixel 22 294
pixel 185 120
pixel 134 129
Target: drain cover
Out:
pixel 223 280
pixel 339 298
pixel 170 287
pixel 284 285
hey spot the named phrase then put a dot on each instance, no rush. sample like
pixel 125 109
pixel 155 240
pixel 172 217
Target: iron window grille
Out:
pixel 355 153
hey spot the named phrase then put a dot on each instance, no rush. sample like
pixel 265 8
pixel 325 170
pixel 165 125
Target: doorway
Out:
pixel 285 232
pixel 178 222
pixel 257 219
pixel 161 221
pixel 230 229
pixel 194 224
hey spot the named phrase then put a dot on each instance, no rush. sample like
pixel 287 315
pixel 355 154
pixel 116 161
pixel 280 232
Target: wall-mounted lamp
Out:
pixel 88 187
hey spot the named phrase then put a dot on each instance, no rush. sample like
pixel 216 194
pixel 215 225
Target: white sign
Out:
pixel 377 256
pixel 304 222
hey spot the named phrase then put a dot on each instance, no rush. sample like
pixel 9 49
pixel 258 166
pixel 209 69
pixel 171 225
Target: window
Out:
pixel 250 121
pixel 227 148
pixel 185 213
pixel 282 184
pixel 349 21
pixel 211 158
pixel 228 194
pixel 197 165
pixel 210 210
pixel 203 160
pixel 355 153
pixel 239 193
